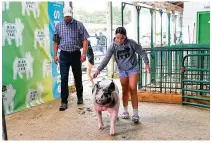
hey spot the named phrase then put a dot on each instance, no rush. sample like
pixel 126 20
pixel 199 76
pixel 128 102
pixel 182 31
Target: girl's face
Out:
pixel 120 38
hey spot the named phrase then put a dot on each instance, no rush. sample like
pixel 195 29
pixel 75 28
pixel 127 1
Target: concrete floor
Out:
pixel 158 122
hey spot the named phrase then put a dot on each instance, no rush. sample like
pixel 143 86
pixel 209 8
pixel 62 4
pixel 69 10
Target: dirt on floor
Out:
pixel 159 121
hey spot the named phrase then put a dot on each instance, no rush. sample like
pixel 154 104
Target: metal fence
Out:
pixel 196 80
pixel 166 62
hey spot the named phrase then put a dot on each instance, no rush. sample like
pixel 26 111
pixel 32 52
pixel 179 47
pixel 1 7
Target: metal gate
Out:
pixel 166 76
pixel 195 81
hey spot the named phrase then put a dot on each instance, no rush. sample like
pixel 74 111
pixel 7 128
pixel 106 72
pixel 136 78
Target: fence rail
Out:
pixel 196 90
pixel 166 63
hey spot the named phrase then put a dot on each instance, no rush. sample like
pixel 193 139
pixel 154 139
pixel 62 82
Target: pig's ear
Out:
pixel 4 88
pixel 95 87
pixel 111 87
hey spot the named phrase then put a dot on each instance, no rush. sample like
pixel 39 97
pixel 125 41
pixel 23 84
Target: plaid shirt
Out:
pixel 70 36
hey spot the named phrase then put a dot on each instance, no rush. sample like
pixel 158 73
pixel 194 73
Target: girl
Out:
pixel 124 51
pixel 90 61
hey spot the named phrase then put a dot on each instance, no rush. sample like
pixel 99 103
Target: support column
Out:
pixel 70 4
pixel 152 54
pixel 161 27
pixel 122 13
pixel 169 32
pixel 161 53
pixel 174 27
pixel 181 28
pixel 109 36
pixel 154 25
pixel 135 20
pixel 169 43
pixel 137 15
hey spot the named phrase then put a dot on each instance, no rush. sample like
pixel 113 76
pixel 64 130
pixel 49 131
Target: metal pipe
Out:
pixel 4 127
pixel 152 59
pixel 122 13
pixel 197 98
pixel 138 40
pixel 195 104
pixel 161 42
pixel 195 90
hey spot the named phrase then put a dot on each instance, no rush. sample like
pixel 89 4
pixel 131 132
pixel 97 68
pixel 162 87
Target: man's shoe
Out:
pixel 63 107
pixel 80 101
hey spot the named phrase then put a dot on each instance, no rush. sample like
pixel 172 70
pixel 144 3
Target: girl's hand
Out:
pixel 95 74
pixel 148 68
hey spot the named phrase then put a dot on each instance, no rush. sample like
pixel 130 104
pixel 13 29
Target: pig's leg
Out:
pixel 117 106
pixel 100 122
pixel 114 116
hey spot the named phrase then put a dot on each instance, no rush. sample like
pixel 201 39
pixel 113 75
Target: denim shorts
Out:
pixel 129 72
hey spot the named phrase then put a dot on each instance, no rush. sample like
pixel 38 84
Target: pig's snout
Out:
pixel 98 100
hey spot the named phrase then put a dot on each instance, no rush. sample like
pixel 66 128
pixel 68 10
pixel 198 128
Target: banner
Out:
pixel 55 10
pixel 28 71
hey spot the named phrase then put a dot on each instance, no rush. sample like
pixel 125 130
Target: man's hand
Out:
pixel 95 74
pixel 148 68
pixel 83 58
pixel 56 59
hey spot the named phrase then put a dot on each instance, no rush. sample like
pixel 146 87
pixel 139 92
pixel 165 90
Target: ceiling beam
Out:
pixel 163 5
pixel 177 3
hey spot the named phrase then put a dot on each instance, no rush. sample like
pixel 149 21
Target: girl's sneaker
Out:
pixel 125 115
pixel 135 119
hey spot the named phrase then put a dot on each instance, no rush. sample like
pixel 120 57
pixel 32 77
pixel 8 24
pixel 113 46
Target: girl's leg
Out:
pixel 90 66
pixel 125 96
pixel 133 90
pixel 134 98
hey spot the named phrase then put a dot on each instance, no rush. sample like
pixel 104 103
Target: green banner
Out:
pixel 26 58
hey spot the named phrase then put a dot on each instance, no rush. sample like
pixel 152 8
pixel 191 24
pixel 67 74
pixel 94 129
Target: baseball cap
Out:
pixel 67 11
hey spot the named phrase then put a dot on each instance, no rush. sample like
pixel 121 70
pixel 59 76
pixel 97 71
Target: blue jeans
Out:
pixel 129 72
pixel 66 60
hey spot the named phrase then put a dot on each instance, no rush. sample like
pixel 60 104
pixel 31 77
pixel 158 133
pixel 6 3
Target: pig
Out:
pixel 106 98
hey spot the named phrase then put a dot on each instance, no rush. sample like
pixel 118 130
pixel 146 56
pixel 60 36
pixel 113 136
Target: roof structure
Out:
pixel 166 5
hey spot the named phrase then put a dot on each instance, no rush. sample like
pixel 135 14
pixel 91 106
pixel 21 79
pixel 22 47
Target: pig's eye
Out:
pixel 105 94
pixel 97 90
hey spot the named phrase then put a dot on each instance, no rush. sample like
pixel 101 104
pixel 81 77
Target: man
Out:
pixel 70 35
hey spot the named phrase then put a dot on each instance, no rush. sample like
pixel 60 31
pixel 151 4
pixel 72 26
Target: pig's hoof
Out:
pixel 101 127
pixel 112 132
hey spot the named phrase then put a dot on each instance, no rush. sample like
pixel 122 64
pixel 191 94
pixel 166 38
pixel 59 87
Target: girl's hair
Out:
pixel 121 30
